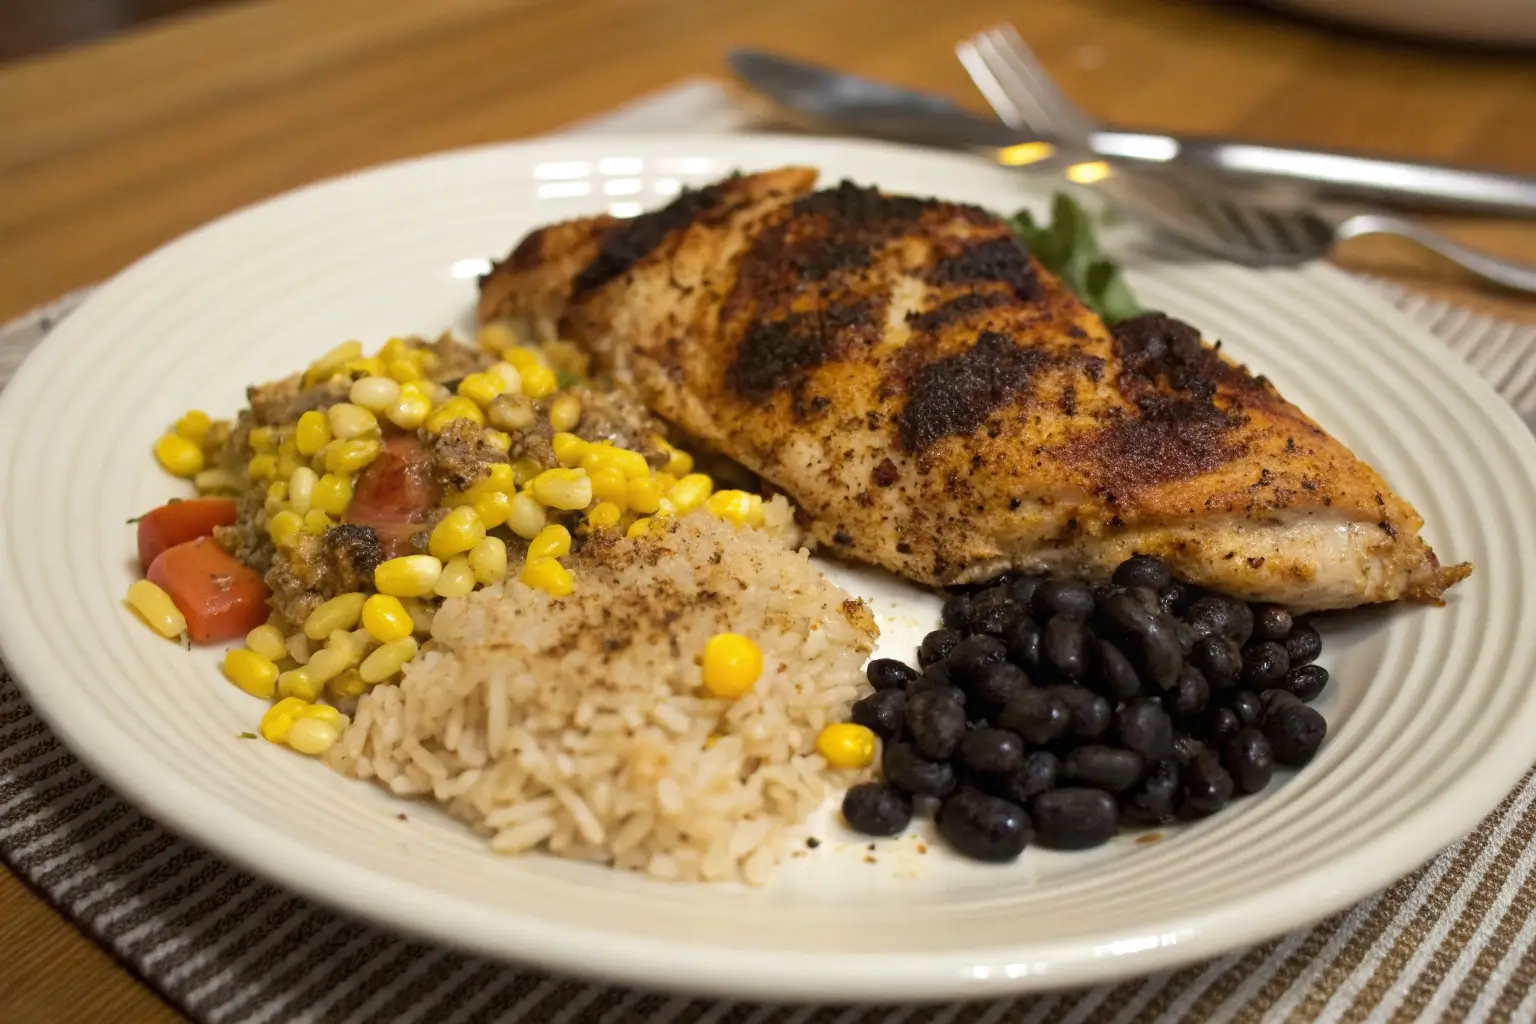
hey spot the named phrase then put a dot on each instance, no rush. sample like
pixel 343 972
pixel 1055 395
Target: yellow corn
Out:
pixel 610 485
pixel 605 515
pixel 457 532
pixel 267 641
pixel 284 528
pixel 340 612
pixel 279 719
pixel 338 655
pixel 312 433
pixel 357 369
pixel 286 464
pixel 262 467
pixel 422 613
pixel 732 664
pixel 495 337
pixel 643 496
pixel 524 470
pixel 604 456
pixel 156 608
pixel 350 456
pixel 569 449
pixel 317 522
pixel 493 508
pixel 300 683
pixel 665 508
pixel 252 672
pixel 410 576
pixel 349 421
pixel 386 619
pixel 481 388
pixel 738 507
pixel 565 412
pixel 332 494
pixel 301 489
pixel 375 393
pixel 522 357
pixel 395 348
pixel 457 579
pixel 846 745
pixel 347 686
pixel 179 456
pixel 217 481
pixel 566 489
pixel 409 411
pixel 193 425
pixel 525 516
pixel 324 712
pixel 511 411
pixel 312 736
pixel 456 408
pixel 497 439
pixel 679 462
pixel 639 528
pixel 664 481
pixel 547 575
pixel 261 440
pixel 387 659
pixel 539 381
pixel 554 541
pixel 690 492
pixel 488 561
pixel 401 371
pixel 500 477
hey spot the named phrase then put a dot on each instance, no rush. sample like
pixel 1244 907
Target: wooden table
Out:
pixel 109 151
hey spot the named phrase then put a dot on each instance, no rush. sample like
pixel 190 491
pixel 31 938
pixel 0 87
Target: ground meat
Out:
pixel 283 401
pixel 461 456
pixel 455 359
pixel 534 443
pixel 247 538
pixel 354 552
pixel 301 579
pixel 613 414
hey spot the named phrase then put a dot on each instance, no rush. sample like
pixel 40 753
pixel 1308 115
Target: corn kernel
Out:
pixel 386 619
pixel 690 492
pixel 298 647
pixel 522 357
pixel 547 575
pixel 300 683
pixel 286 464
pixel 569 449
pixel 324 712
pixel 457 579
pixel 357 369
pixel 347 686
pixel 340 612
pixel 301 489
pixel 665 508
pixel 565 412
pixel 525 516
pixel 395 348
pixel 422 613
pixel 605 515
pixel 350 421
pixel 267 641
pixel 409 411
pixel 316 523
pixel 279 719
pixel 493 508
pixel 156 608
pixel 425 359
pixel 738 507
pixel 193 425
pixel 410 576
pixel 285 528
pixel 217 481
pixel 643 496
pixel 732 664
pixel 329 662
pixel 457 532
pixel 664 481
pixel 375 393
pixel 261 440
pixel 179 456
pixel 350 456
pixel 500 476
pixel 312 736
pixel 488 561
pixel 679 462
pixel 639 528
pixel 610 485
pixel 511 411
pixel 524 470
pixel 252 672
pixel 262 467
pixel 604 456
pixel 481 388
pixel 332 494
pixel 566 489
pixel 846 745
pixel 497 439
pixel 312 433
pixel 539 381
pixel 494 337
pixel 387 659
pixel 455 408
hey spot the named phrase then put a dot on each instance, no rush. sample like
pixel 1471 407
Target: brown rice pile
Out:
pixel 578 725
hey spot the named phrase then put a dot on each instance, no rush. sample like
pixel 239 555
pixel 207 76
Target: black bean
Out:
pixel 1187 635
pixel 914 774
pixel 1129 614
pixel 984 827
pixel 1065 646
pixel 1247 706
pixel 1143 726
pixel 1295 732
pixel 1024 644
pixel 1271 622
pixel 1113 768
pixel 1175 598
pixel 992 751
pixel 935 722
pixel 1207 785
pixel 1147 597
pixel 876 809
pixel 994 619
pixel 1264 665
pixel 1249 760
pixel 1220 725
pixel 1304 644
pixel 972 654
pixel 1162 657
pixel 882 712
pixel 1088 713
pixel 1155 799
pixel 1074 818
pixel 1067 598
pixel 1037 715
pixel 1192 694
pixel 1220 658
pixel 995 685
pixel 1037 776
pixel 1022 589
pixel 1186 748
pixel 956 614
pixel 936 646
pixel 1142 571
pixel 1113 672
pixel 927 685
pixel 889 674
pixel 1306 681
pixel 1273 699
pixel 1223 616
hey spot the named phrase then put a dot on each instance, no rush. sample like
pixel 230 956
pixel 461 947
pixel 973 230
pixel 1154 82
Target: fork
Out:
pixel 1246 228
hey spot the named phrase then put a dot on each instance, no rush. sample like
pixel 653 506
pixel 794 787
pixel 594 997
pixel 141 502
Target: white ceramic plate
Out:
pixel 1430 713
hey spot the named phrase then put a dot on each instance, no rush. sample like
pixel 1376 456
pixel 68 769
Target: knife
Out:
pixel 865 107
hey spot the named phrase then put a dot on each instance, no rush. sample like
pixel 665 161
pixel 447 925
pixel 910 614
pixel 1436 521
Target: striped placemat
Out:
pixel 1456 940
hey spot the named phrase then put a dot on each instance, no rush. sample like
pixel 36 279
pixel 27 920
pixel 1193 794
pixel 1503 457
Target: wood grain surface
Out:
pixel 113 149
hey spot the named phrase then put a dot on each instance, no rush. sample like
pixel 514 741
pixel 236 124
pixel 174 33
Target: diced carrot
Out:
pixel 220 597
pixel 179 522
pixel 396 494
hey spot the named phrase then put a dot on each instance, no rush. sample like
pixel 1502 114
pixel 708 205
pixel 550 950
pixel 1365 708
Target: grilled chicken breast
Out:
pixel 937 403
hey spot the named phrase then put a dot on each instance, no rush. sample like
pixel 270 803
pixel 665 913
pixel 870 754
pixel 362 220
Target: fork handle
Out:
pixel 1509 273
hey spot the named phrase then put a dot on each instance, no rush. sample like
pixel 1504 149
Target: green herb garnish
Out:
pixel 1067 246
pixel 248 736
pixel 566 379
